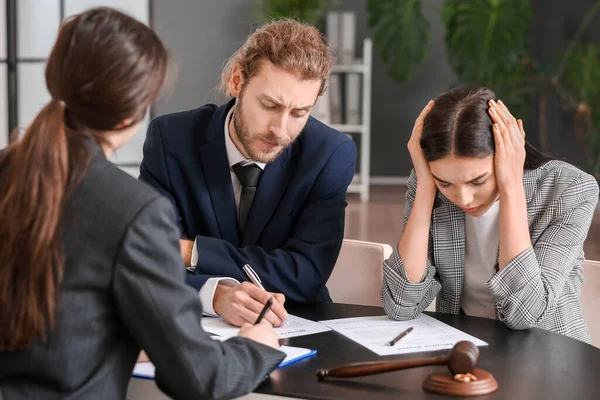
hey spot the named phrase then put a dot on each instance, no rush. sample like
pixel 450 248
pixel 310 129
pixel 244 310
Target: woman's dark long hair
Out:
pixel 459 124
pixel 104 68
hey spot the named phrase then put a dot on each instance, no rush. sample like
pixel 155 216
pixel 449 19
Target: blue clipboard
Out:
pixel 292 358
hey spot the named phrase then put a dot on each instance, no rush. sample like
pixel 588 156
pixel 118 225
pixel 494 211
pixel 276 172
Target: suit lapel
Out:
pixel 271 187
pixel 215 167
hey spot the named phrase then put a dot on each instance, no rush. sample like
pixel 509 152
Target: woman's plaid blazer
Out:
pixel 538 288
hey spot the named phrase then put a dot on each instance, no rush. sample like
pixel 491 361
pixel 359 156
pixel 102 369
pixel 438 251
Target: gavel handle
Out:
pixel 377 367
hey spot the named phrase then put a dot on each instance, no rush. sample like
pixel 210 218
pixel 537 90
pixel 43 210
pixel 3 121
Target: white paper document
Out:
pixel 296 327
pixel 375 333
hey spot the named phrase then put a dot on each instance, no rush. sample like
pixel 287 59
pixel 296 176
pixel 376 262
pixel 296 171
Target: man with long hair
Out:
pixel 258 181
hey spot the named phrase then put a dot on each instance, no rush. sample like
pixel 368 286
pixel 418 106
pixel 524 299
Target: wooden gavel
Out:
pixel 461 360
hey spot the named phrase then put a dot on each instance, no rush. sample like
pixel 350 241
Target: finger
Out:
pixel 520 123
pixel 273 319
pixel 504 114
pixel 426 109
pixel 424 112
pixel 493 111
pixel 255 292
pixel 256 300
pixel 498 139
pixel 509 120
pixel 244 305
pixel 280 297
pixel 268 331
pixel 280 300
pixel 273 316
pixel 246 315
pixel 278 307
pixel 266 324
pixel 503 130
pixel 276 313
pixel 418 128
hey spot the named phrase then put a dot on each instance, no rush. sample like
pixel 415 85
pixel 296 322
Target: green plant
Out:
pixel 400 33
pixel 487 44
pixel 310 11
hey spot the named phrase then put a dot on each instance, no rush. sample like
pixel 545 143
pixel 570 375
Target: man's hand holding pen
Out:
pixel 241 304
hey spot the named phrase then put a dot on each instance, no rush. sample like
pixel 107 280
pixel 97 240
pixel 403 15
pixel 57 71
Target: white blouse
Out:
pixel 482 240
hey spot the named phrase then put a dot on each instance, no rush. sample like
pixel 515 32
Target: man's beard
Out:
pixel 245 139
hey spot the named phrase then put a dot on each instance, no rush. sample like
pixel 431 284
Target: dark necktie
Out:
pixel 249 176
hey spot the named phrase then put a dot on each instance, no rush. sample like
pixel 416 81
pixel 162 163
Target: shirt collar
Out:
pixel 233 154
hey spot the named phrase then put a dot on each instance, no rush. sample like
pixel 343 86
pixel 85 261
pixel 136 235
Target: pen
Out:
pixel 253 276
pixel 400 336
pixel 264 310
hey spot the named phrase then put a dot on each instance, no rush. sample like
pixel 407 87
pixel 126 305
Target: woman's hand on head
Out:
pixel 420 164
pixel 509 139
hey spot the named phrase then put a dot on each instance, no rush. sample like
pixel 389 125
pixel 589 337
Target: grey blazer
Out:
pixel 538 288
pixel 123 290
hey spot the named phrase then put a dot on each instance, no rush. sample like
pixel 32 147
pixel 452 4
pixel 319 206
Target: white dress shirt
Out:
pixel 207 292
pixel 482 240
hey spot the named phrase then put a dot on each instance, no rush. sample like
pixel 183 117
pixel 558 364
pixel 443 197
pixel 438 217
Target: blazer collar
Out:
pixel 216 125
pixel 96 152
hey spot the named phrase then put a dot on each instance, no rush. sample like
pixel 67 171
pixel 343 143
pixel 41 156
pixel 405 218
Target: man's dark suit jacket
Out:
pixel 296 224
pixel 124 289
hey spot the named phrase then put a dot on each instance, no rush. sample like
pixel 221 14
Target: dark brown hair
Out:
pixel 104 68
pixel 459 124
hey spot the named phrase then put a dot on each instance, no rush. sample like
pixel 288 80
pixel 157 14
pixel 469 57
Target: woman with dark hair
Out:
pixel 91 270
pixel 492 227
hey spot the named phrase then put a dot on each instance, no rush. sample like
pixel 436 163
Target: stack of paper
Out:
pixel 296 327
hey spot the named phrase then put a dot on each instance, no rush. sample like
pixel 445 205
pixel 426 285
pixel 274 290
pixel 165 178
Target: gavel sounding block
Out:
pixel 444 383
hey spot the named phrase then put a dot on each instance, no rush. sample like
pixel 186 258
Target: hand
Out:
pixel 262 333
pixel 420 164
pixel 143 357
pixel 509 138
pixel 242 303
pixel 186 247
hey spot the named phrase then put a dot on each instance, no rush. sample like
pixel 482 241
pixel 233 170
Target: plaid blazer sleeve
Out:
pixel 528 290
pixel 402 299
